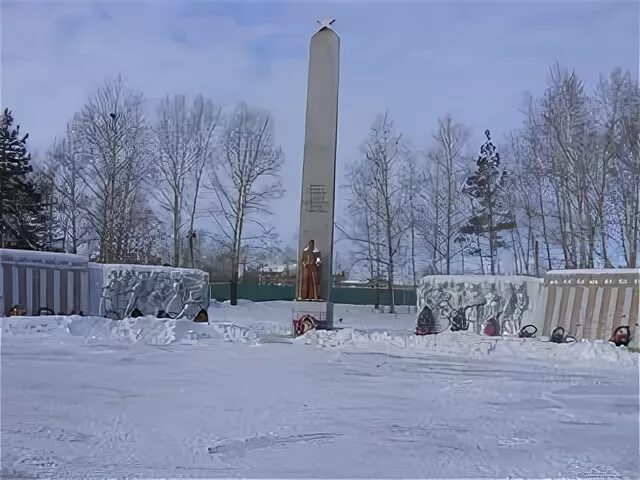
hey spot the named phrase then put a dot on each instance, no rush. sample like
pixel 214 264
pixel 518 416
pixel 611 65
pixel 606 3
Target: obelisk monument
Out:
pixel 315 243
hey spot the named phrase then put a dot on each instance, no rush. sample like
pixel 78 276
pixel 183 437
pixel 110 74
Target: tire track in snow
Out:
pixel 237 447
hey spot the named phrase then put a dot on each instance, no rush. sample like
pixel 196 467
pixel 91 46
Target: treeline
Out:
pixel 127 189
pixel 561 191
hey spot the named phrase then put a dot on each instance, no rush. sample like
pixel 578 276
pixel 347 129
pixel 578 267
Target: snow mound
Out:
pixel 240 301
pixel 473 345
pixel 231 332
pixel 269 328
pixel 142 330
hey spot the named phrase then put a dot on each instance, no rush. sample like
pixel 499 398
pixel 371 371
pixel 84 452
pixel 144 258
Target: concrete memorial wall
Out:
pixel 35 280
pixel 592 303
pixel 41 282
pixel 513 299
pixel 587 304
pixel 150 289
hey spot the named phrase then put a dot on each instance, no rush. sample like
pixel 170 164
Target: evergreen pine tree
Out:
pixel 21 213
pixel 488 189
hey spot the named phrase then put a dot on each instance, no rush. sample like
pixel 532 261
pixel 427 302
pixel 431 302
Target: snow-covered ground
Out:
pixel 91 398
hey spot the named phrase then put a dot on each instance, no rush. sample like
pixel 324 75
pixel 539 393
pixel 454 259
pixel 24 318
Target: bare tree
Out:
pixel 440 207
pixel 566 121
pixel 183 137
pixel 412 187
pixel 577 157
pixel 524 204
pixel 48 221
pixel 205 144
pixel 451 139
pixel 144 233
pixel 244 182
pixel 362 226
pixel 66 162
pixel 534 150
pixel 116 152
pixel 618 193
pixel 383 196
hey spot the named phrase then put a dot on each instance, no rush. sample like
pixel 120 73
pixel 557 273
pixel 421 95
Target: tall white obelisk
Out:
pixel 319 167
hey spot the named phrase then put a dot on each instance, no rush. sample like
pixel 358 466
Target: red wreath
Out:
pixel 304 324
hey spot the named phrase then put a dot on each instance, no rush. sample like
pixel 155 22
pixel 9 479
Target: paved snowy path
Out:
pixel 215 409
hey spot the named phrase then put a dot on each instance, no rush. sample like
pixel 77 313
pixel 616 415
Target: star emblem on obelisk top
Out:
pixel 326 23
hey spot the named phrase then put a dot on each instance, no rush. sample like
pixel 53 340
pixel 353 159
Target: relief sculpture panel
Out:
pixel 479 305
pixel 172 292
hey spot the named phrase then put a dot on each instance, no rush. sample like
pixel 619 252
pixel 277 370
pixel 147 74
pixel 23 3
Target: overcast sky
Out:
pixel 474 60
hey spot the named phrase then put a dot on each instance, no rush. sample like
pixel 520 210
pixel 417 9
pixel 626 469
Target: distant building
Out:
pixel 274 274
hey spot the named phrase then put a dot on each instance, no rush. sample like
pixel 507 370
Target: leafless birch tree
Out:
pixel 116 153
pixel 440 203
pixel 244 182
pixel 183 137
pixel 566 120
pixel 578 156
pixel 619 100
pixel 66 162
pixel 382 194
pixel 362 226
pixel 411 182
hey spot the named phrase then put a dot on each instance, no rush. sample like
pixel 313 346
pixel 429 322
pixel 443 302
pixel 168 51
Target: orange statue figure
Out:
pixel 310 282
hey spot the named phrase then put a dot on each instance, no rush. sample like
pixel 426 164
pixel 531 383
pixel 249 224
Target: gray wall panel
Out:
pixel 22 287
pixel 63 292
pixel 7 291
pixel 35 285
pixel 50 293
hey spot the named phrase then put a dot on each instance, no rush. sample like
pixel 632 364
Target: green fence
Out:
pixel 349 295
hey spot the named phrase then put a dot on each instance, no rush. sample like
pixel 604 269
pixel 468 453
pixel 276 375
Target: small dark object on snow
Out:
pixel 16 311
pixel 426 322
pixel 46 311
pixel 135 313
pixel 557 336
pixel 162 314
pixel 492 327
pixel 202 316
pixel 621 336
pixel 528 331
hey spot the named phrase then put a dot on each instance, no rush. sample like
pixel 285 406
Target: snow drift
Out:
pixel 143 330
pixel 158 332
pixel 473 345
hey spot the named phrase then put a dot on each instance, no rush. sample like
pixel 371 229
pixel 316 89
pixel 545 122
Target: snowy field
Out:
pixel 90 398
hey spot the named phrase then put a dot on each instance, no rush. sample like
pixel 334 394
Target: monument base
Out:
pixel 320 311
